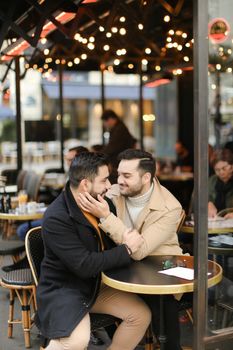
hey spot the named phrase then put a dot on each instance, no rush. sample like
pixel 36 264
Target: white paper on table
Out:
pixel 181 272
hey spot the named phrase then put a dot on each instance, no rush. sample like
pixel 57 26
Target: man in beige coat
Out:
pixel 147 207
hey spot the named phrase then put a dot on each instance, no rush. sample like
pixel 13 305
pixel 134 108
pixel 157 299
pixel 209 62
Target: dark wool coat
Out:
pixel 120 139
pixel 71 270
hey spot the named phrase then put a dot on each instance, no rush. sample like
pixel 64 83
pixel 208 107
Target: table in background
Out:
pixel 8 218
pixel 213 248
pixel 142 277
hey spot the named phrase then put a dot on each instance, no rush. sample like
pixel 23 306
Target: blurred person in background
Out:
pixel 184 159
pixel 119 140
pixel 221 184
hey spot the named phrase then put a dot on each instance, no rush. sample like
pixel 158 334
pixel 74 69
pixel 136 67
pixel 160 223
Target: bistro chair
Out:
pixel 21 286
pixel 35 253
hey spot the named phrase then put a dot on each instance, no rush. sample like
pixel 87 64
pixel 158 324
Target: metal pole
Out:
pixel 200 170
pixel 141 126
pixel 102 98
pixel 18 114
pixel 61 113
pixel 218 117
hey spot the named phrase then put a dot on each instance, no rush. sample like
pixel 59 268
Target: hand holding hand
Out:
pixel 97 207
pixel 132 239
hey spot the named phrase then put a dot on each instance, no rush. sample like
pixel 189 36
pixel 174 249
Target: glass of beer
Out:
pixel 22 199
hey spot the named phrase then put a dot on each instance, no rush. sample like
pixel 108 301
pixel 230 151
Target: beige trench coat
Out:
pixel 157 223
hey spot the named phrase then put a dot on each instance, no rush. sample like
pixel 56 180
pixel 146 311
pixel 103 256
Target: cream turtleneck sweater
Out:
pixel 134 206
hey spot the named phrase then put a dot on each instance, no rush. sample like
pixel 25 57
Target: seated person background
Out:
pixel 76 252
pixel 184 160
pixel 221 184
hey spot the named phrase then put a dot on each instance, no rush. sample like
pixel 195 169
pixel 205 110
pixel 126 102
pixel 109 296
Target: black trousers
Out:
pixel 171 319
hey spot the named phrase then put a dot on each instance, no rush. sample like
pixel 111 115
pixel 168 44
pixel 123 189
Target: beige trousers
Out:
pixel 129 307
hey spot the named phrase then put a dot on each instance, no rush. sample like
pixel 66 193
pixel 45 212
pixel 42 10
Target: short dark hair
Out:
pixel 78 149
pixel 108 114
pixel 85 166
pixel 146 160
pixel 224 155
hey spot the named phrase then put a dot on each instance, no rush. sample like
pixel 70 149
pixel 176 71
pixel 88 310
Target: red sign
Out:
pixel 219 30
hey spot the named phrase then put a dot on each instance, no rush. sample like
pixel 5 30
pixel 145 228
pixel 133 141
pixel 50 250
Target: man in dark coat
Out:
pixel 75 254
pixel 119 140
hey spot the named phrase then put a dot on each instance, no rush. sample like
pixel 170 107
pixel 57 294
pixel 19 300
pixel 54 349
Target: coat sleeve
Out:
pixel 156 233
pixel 64 243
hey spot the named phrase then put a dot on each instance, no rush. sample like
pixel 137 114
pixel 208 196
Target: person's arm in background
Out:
pixel 212 210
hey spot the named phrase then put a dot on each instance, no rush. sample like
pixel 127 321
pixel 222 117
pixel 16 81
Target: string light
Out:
pixel 101 28
pixel 70 64
pixel 184 35
pixel 46 51
pixel 77 60
pixel 169 39
pixel 84 56
pixel 218 66
pixel 186 58
pixel 92 39
pixel 157 68
pixel 166 18
pixel 140 26
pixel 144 62
pixel 229 70
pixel 90 46
pixel 77 36
pixel 43 41
pixel 122 31
pixel 114 29
pixel 106 47
pixel 130 66
pixel 147 50
pixel 108 35
pixel 171 32
pixel 57 61
pixel 122 19
pixel 116 62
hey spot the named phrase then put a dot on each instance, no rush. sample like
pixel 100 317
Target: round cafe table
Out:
pixel 8 218
pixel 142 277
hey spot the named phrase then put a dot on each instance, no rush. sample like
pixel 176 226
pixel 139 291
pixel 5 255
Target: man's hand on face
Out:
pixel 97 207
pixel 132 239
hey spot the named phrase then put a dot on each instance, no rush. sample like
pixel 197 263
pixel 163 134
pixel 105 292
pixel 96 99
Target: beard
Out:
pixel 126 191
pixel 95 194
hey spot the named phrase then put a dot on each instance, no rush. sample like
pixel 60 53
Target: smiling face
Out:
pixel 131 179
pixel 223 170
pixel 100 184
